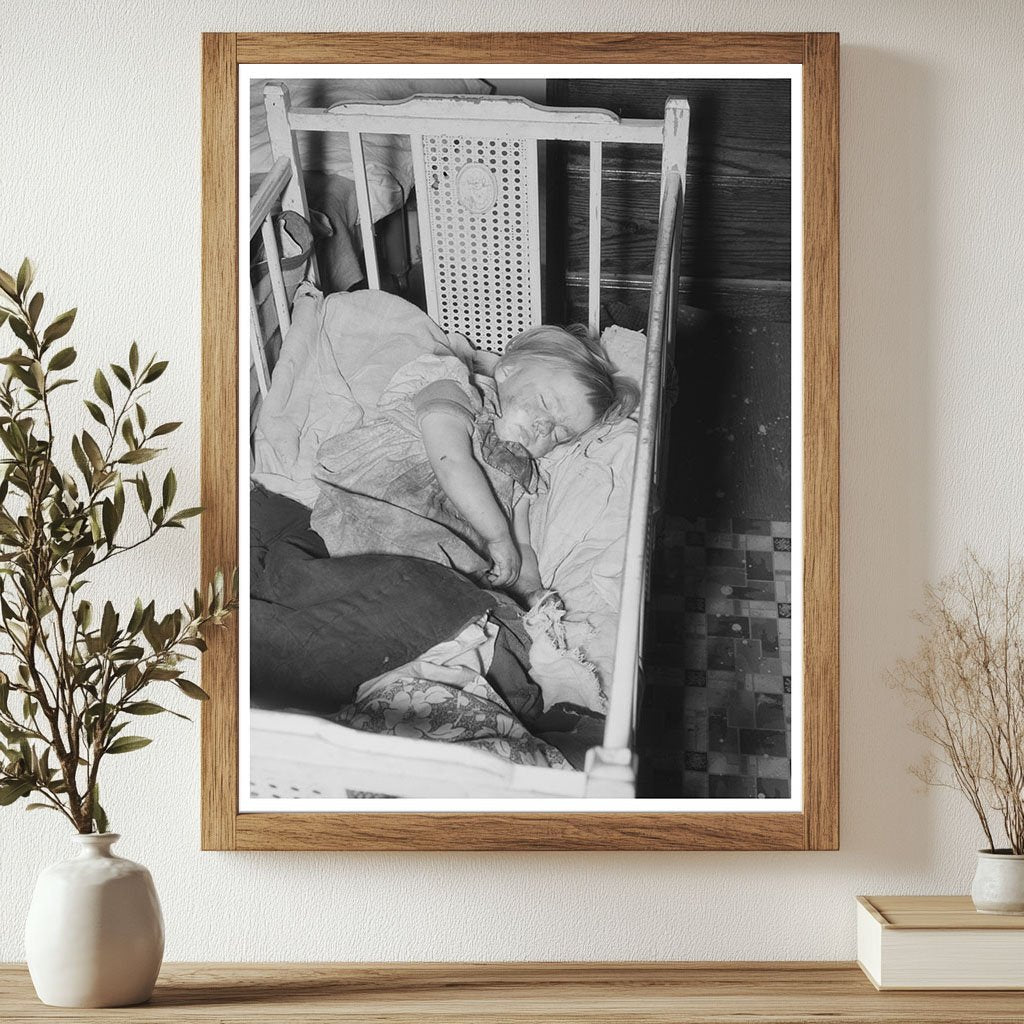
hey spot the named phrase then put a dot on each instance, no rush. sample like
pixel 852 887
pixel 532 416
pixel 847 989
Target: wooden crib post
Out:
pixel 282 143
pixel 611 774
pixel 623 696
pixel 673 159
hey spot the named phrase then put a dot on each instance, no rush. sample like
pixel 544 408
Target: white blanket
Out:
pixel 336 361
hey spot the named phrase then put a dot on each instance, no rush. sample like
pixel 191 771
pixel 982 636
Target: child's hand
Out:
pixel 543 597
pixel 506 562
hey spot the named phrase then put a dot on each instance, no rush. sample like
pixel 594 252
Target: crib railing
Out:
pixel 261 209
pixel 486 127
pixel 491 293
pixel 611 766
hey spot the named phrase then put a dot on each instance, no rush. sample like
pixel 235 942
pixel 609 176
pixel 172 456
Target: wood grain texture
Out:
pixel 743 130
pixel 737 210
pixel 219 430
pixel 444 831
pixel 527 993
pixel 222 826
pixel 730 229
pixel 735 297
pixel 521 47
pixel 821 441
pixel 936 912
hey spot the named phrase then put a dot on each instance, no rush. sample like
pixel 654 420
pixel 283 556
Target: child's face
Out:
pixel 542 405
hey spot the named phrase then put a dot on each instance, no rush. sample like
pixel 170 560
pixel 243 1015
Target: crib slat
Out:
pixel 427 256
pixel 276 276
pixel 533 212
pixel 282 144
pixel 256 346
pixel 269 193
pixel 355 140
pixel 594 261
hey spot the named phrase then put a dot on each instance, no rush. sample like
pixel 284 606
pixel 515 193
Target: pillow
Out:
pixel 627 350
pixel 578 523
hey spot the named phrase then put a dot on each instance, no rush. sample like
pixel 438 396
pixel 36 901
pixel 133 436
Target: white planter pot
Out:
pixel 95 934
pixel 999 883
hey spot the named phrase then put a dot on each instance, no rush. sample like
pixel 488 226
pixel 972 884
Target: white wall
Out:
pixel 99 182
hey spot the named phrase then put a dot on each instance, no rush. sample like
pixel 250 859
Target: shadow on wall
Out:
pixel 888 273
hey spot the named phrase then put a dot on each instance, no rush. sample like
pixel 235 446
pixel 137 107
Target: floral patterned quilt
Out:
pixel 465 710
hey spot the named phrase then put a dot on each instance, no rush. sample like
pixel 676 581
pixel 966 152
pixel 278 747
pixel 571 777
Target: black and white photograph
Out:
pixel 521 414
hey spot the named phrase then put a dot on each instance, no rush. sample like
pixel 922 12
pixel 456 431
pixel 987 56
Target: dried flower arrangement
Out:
pixel 79 676
pixel 967 682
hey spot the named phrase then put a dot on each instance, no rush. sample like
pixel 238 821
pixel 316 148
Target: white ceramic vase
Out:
pixel 95 933
pixel 999 883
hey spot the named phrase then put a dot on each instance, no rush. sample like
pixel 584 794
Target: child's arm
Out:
pixel 529 575
pixel 450 451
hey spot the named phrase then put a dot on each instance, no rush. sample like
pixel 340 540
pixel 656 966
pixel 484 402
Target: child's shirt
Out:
pixel 378 489
pixel 478 411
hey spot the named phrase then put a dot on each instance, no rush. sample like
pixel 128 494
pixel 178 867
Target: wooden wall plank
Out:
pixel 626 300
pixel 743 130
pixel 730 230
pixel 738 203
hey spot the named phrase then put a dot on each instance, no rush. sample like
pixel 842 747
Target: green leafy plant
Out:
pixel 80 673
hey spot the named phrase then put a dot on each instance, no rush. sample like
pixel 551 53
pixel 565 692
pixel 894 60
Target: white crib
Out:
pixel 479 218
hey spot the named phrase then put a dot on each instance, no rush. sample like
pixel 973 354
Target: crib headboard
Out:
pixel 478 202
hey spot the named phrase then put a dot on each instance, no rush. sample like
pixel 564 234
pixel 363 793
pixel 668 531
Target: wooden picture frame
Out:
pixel 816 825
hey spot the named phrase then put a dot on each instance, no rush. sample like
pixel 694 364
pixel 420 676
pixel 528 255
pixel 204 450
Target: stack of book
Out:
pixel 938 942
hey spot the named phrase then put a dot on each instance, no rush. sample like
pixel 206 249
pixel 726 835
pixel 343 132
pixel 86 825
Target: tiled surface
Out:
pixel 715 719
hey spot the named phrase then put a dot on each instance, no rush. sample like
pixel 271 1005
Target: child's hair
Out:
pixel 612 396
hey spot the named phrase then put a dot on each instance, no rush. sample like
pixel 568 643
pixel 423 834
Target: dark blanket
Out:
pixel 321 626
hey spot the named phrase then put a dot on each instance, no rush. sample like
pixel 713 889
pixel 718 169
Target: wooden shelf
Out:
pixel 662 993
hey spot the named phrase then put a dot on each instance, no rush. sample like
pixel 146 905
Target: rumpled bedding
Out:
pixel 337 360
pixel 446 697
pixel 321 627
pixel 338 430
pixel 378 490
pixel 578 528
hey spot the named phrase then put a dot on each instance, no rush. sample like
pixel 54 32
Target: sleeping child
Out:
pixel 549 387
pixel 440 469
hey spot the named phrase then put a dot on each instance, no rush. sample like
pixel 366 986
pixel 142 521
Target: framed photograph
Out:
pixel 520 373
